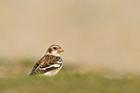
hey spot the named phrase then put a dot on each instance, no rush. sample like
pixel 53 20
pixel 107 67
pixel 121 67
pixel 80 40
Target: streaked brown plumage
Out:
pixel 51 62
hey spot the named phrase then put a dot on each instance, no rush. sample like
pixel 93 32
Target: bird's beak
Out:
pixel 61 50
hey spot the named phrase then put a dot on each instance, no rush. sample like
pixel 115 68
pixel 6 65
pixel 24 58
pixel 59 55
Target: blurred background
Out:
pixel 94 33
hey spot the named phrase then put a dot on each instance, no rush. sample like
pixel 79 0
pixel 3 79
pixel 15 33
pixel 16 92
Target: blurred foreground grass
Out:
pixel 14 79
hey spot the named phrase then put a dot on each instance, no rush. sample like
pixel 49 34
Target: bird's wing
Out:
pixel 54 64
pixel 38 64
pixel 46 63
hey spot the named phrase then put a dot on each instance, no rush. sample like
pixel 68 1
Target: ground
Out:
pixel 67 81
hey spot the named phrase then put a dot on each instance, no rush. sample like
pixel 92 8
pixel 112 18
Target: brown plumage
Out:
pixel 49 62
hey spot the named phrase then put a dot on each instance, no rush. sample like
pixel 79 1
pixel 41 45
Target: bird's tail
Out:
pixel 32 73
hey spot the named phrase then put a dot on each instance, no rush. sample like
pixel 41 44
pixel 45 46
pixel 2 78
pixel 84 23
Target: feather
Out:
pixel 46 63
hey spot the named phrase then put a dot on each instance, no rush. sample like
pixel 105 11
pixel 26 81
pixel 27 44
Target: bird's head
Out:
pixel 55 50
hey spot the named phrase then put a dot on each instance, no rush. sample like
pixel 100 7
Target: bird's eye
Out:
pixel 55 48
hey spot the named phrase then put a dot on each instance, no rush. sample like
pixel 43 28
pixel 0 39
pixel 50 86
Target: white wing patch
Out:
pixel 54 72
pixel 54 65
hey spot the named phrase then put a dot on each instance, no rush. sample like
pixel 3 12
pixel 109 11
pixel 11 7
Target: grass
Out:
pixel 67 81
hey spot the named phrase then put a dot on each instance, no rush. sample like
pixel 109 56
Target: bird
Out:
pixel 51 62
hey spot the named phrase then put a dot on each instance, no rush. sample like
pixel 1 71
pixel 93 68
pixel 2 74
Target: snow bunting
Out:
pixel 50 64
